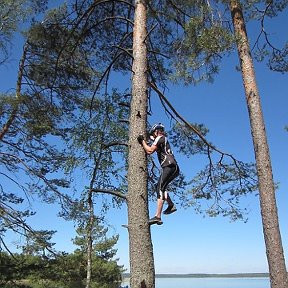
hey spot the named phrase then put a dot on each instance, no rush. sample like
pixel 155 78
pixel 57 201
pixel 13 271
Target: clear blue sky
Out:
pixel 187 242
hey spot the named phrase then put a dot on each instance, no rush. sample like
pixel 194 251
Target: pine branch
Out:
pixel 111 192
pixel 18 94
pixel 161 95
pixel 108 145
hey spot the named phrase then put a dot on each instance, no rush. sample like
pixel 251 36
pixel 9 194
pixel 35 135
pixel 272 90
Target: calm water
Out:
pixel 210 283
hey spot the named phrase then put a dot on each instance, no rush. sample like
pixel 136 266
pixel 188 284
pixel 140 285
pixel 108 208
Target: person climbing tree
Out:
pixel 170 169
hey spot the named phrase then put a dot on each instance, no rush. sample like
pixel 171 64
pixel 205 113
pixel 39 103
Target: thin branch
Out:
pixel 20 223
pixel 124 121
pixel 42 177
pixel 7 249
pixel 111 144
pixel 263 30
pixel 149 32
pixel 111 192
pixel 179 9
pixel 18 94
pixel 124 104
pixel 161 95
pixel 158 53
pixel 106 72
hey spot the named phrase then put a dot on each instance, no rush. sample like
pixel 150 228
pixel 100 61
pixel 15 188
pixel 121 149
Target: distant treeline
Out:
pixel 236 275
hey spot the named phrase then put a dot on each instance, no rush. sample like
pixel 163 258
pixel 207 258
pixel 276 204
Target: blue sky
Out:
pixel 188 242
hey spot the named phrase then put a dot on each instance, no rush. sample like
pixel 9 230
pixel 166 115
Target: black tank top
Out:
pixel 164 152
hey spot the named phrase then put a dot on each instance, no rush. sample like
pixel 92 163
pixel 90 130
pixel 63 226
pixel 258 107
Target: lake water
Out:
pixel 210 283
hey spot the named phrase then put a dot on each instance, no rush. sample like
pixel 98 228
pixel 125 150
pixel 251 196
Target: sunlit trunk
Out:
pixel 274 249
pixel 140 245
pixel 89 239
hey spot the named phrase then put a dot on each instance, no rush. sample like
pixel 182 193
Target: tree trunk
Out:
pixel 142 273
pixel 18 93
pixel 90 226
pixel 274 249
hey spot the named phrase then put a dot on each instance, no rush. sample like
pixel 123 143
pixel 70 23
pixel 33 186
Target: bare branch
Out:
pixel 11 216
pixel 161 95
pixel 124 104
pixel 108 145
pixel 111 192
pixel 106 72
pixel 42 177
pixel 18 94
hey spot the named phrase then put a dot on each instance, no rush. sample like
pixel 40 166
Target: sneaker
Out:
pixel 155 220
pixel 170 209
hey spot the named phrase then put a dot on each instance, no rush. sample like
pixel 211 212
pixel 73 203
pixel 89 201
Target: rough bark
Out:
pixel 273 242
pixel 141 252
pixel 89 240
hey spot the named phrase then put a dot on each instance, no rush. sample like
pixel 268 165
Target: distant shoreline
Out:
pixel 202 275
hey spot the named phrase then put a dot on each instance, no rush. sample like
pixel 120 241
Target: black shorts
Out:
pixel 168 174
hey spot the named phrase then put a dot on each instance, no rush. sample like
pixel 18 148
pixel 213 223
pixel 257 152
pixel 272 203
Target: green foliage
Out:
pixel 65 123
pixel 12 14
pixel 186 141
pixel 194 37
pixel 223 186
pixel 29 161
pixel 199 52
pixel 38 242
pixel 279 60
pixel 102 245
pixel 264 47
pixel 8 266
pixel 63 67
pixel 15 268
pixel 218 188
pixel 63 270
pixel 51 130
pixel 106 274
pixel 256 9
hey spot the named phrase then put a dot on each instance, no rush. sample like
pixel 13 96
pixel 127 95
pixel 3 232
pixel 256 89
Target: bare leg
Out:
pixel 160 203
